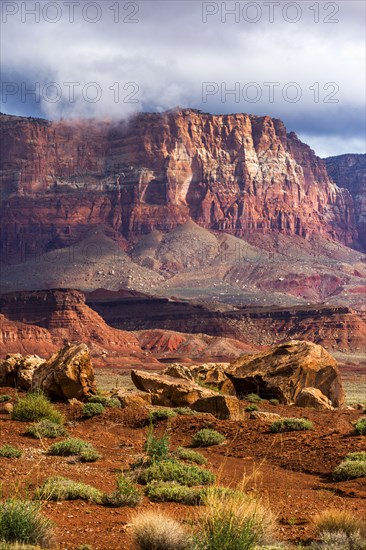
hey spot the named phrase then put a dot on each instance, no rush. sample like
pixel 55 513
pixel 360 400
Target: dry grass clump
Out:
pixel 156 531
pixel 232 520
pixel 334 520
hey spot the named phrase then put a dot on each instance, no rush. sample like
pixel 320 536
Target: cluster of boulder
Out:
pixel 295 373
pixel 67 374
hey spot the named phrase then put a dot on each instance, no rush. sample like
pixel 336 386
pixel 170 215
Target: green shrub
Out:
pixel 274 401
pixel 156 531
pixel 21 521
pixel 8 451
pixel 157 448
pixel 108 402
pixel 61 488
pixel 350 469
pixel 126 494
pixel 5 398
pixel 171 470
pixel 34 407
pixel 253 398
pixel 166 491
pixel 360 455
pixel 92 409
pixel 251 408
pixel 46 428
pixel 207 437
pixel 233 521
pixel 190 456
pixel 335 520
pixel 161 414
pixel 185 411
pixel 89 455
pixel 291 425
pixel 69 447
pixel 360 427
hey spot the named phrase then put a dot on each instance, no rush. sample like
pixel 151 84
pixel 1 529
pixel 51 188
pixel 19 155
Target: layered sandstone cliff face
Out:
pixel 236 173
pixel 349 171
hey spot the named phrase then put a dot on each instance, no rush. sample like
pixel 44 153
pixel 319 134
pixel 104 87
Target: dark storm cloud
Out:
pixel 266 58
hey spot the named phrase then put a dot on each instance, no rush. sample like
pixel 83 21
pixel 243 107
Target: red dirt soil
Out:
pixel 291 471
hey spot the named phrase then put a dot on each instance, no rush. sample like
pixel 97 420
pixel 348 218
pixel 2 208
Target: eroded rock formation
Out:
pixel 236 173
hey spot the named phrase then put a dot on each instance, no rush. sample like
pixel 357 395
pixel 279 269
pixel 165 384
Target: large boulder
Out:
pixel 284 371
pixel 168 391
pixel 67 374
pixel 18 370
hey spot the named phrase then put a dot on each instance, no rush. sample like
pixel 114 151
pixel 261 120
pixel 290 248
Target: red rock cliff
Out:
pixel 237 173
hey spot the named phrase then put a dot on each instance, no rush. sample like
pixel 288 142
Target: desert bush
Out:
pixel 349 469
pixel 253 398
pixel 360 427
pixel 8 451
pixel 274 401
pixel 61 488
pixel 233 521
pixel 169 491
pixel 92 409
pixel 21 521
pixel 34 407
pixel 156 448
pixel 155 531
pixel 108 402
pixel 291 425
pixel 251 408
pixel 360 455
pixel 46 428
pixel 171 470
pixel 69 447
pixel 5 398
pixel 189 455
pixel 334 521
pixel 89 455
pixel 207 437
pixel 339 540
pixel 185 411
pixel 126 493
pixel 161 414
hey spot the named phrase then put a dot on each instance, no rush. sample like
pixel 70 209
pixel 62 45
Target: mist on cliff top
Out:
pixel 302 62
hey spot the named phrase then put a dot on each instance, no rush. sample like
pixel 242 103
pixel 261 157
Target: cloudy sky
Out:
pixel 300 61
